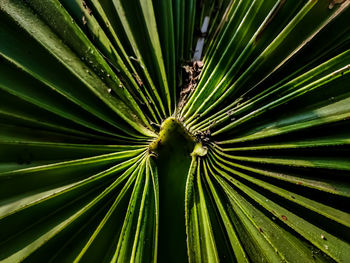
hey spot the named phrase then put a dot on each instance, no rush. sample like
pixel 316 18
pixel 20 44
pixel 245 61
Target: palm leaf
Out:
pixel 116 146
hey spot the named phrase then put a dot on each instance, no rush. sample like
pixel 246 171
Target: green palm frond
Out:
pixel 116 145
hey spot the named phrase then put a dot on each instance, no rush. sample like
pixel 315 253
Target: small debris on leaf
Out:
pixel 229 112
pixel 138 79
pixel 84 20
pixel 87 8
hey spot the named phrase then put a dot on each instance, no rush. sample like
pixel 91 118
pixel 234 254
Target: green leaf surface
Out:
pixel 119 143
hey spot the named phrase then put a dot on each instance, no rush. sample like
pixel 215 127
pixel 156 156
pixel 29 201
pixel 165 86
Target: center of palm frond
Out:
pixel 173 132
